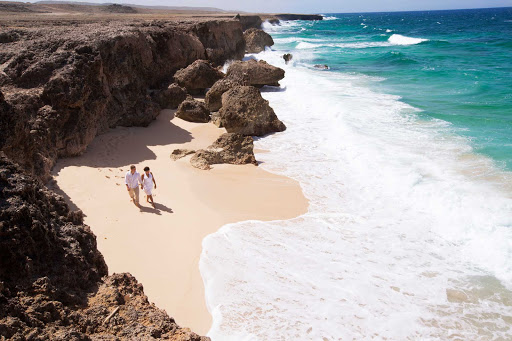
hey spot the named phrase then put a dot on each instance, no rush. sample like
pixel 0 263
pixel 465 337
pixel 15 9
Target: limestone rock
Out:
pixel 198 76
pixel 287 57
pixel 216 120
pixel 68 82
pixel 171 97
pixel 193 111
pixel 250 21
pixel 256 40
pixel 213 99
pixel 244 111
pixel 228 148
pixel 221 38
pixel 259 73
pixel 181 153
pixel 53 279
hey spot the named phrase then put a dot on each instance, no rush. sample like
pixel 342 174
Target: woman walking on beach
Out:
pixel 147 184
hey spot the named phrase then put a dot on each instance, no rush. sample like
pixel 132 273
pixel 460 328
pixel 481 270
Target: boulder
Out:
pixel 322 67
pixel 287 57
pixel 259 73
pixel 193 111
pixel 256 40
pixel 244 111
pixel 181 153
pixel 171 97
pixel 68 83
pixel 228 148
pixel 198 76
pixel 213 99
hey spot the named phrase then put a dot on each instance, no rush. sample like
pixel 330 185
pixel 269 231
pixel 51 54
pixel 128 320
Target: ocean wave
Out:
pixel 387 247
pixel 329 18
pixel 305 45
pixel 398 39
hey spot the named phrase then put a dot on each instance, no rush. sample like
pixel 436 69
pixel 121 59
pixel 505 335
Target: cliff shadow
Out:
pixel 123 146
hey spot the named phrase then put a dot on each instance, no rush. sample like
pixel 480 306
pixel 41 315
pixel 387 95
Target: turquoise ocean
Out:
pixel 403 148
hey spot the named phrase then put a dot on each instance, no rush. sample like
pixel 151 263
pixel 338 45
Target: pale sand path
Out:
pixel 161 247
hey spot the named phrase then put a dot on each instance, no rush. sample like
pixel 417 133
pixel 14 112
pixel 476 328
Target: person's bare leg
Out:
pixel 152 202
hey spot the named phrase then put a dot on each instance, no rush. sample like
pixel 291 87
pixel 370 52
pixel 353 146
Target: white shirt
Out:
pixel 132 180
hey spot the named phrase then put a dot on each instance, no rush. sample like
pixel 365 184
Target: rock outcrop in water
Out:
pixel 229 148
pixel 244 111
pixel 68 82
pixel 258 73
pixel 53 280
pixel 256 40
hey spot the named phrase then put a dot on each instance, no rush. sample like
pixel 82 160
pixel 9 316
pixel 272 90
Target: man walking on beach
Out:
pixel 132 181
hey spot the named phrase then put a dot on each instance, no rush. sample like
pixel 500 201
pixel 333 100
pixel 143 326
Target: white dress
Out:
pixel 148 184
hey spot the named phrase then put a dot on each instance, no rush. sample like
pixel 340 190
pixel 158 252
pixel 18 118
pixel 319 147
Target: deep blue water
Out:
pixel 452 65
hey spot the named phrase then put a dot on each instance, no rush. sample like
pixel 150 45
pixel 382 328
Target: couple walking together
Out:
pixel 132 180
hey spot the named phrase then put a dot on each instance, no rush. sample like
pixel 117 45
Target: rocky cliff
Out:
pixel 64 83
pixel 53 280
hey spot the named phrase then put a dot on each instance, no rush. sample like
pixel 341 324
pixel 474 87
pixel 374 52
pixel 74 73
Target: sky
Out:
pixel 321 6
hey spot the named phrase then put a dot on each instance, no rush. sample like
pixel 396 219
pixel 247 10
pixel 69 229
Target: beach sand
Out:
pixel 161 246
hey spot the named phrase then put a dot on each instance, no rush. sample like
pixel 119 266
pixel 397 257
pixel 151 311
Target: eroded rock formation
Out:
pixel 68 82
pixel 193 111
pixel 53 280
pixel 198 76
pixel 256 40
pixel 213 99
pixel 244 111
pixel 229 148
pixel 259 73
pixel 171 97
pixel 250 21
pixel 181 153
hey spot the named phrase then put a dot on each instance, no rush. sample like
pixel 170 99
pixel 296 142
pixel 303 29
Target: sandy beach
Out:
pixel 161 246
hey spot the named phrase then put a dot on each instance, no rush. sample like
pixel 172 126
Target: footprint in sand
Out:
pixel 108 177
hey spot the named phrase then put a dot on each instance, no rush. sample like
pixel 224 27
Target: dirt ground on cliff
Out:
pixel 161 246
pixel 11 12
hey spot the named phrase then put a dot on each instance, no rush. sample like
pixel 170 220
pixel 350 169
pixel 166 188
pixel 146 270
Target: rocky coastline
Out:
pixel 64 83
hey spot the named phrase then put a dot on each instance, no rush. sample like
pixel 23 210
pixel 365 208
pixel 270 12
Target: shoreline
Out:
pixel 162 246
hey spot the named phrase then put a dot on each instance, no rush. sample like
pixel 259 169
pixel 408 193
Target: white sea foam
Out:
pixel 397 39
pixel 406 237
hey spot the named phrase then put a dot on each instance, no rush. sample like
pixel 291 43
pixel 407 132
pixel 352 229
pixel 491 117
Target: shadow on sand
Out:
pixel 158 209
pixel 129 145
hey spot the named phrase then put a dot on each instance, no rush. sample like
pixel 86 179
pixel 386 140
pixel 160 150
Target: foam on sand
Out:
pixel 407 235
